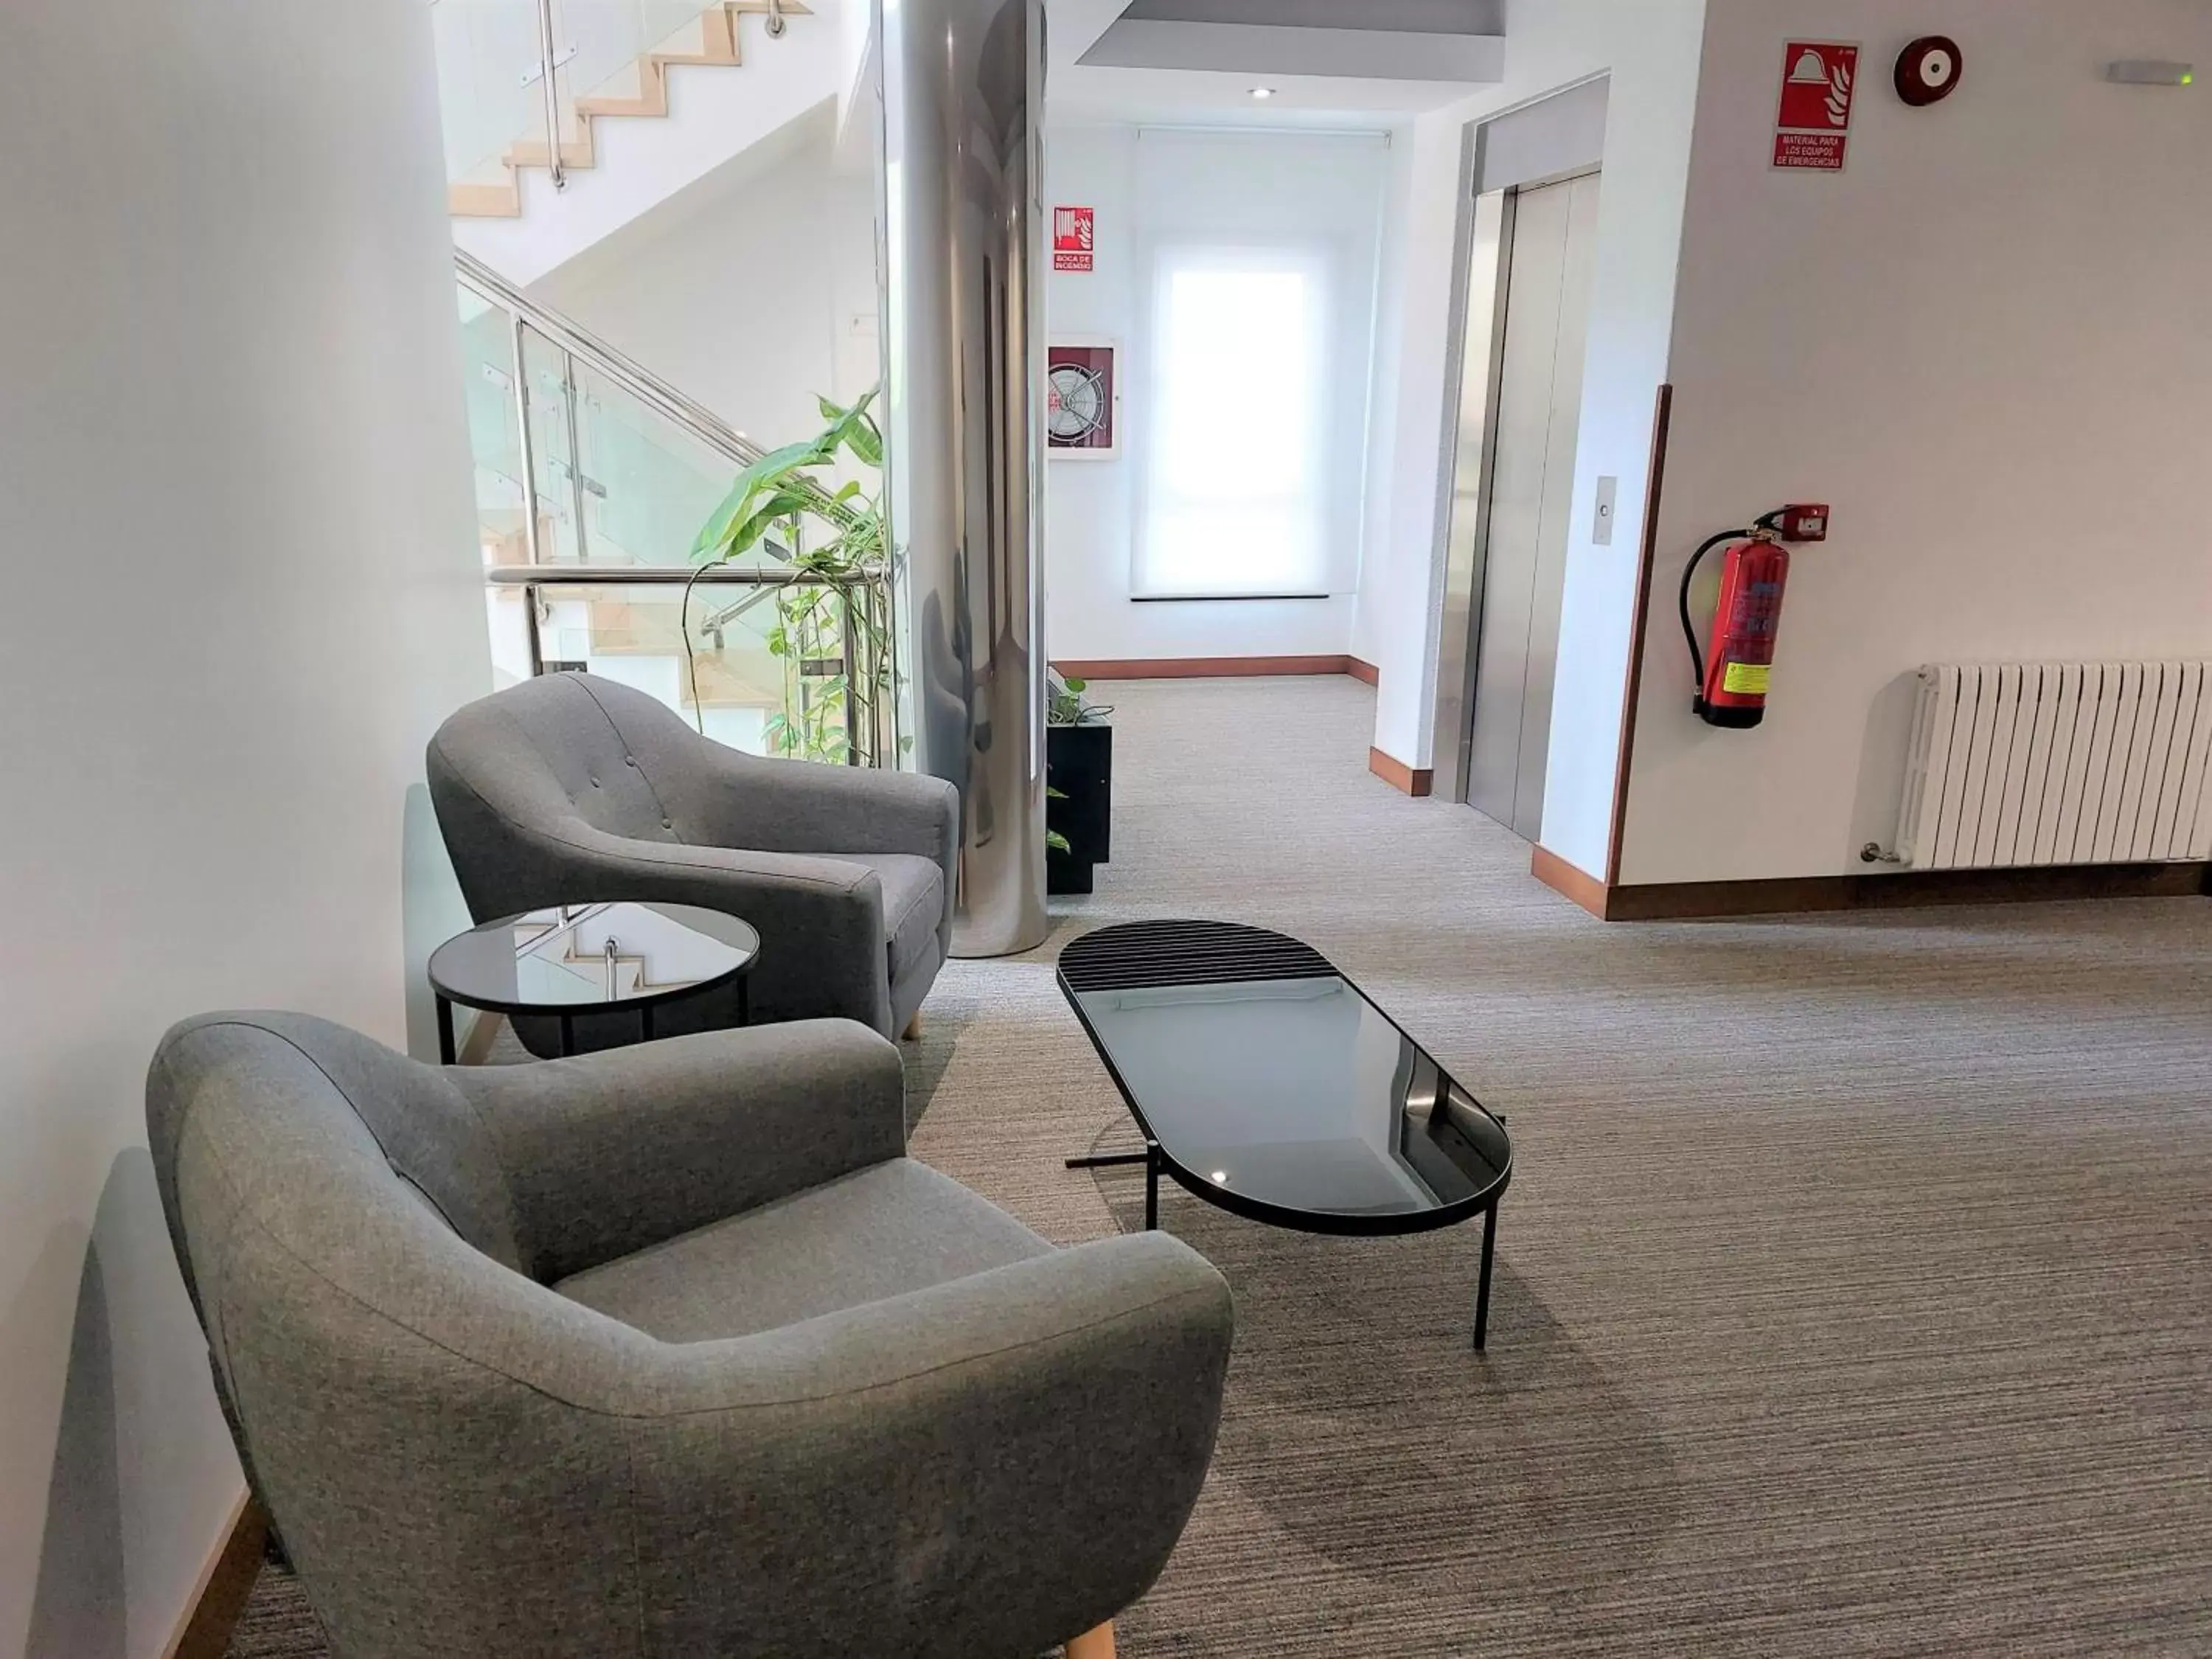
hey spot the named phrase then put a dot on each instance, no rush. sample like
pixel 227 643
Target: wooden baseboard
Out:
pixel 225 1583
pixel 1196 668
pixel 1360 669
pixel 1561 876
pixel 1416 781
pixel 1695 900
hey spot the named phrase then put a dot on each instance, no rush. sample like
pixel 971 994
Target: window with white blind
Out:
pixel 1261 250
pixel 1236 504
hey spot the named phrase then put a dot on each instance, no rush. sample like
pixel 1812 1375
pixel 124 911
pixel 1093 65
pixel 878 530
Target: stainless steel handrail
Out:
pixel 547 66
pixel 667 575
pixel 867 733
pixel 624 371
pixel 872 736
pixel 632 376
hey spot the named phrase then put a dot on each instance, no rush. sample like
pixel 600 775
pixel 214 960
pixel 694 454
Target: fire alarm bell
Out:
pixel 1927 70
pixel 1802 522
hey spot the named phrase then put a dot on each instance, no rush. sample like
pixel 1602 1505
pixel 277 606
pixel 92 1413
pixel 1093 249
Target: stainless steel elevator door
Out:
pixel 1532 484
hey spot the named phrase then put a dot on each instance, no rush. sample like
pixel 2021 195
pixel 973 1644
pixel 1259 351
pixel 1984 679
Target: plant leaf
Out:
pixel 865 441
pixel 772 468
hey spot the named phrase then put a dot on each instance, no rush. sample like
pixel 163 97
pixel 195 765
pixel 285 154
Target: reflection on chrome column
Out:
pixel 962 90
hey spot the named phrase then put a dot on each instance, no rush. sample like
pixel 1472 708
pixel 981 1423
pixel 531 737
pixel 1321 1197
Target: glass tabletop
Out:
pixel 1275 1087
pixel 591 956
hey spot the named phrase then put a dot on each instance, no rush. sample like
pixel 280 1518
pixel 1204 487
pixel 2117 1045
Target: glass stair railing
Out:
pixel 512 72
pixel 593 478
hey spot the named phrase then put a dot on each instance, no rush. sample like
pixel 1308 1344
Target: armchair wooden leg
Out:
pixel 1093 1643
pixel 913 1032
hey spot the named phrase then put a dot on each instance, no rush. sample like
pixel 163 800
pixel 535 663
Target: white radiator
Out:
pixel 2027 763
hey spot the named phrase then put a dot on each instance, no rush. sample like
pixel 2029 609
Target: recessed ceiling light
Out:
pixel 1263 92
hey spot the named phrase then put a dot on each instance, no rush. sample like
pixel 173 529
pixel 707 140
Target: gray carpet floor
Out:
pixel 1854 1287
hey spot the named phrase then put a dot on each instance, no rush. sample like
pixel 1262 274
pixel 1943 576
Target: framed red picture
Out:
pixel 1083 397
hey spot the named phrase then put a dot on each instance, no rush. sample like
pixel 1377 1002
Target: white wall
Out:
pixel 1090 504
pixel 753 291
pixel 1650 48
pixel 234 515
pixel 1984 343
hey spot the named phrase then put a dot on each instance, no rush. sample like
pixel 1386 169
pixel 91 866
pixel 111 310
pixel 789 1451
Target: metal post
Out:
pixel 852 747
pixel 545 55
pixel 1482 1286
pixel 530 603
pixel 575 454
pixel 963 85
pixel 529 447
pixel 532 535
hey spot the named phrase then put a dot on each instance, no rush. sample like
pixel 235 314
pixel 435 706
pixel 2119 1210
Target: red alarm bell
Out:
pixel 1927 70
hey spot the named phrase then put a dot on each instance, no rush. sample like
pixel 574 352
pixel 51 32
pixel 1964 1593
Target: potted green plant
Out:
pixel 831 531
pixel 1079 760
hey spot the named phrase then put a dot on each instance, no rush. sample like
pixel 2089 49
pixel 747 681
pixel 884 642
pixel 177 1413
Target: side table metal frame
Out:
pixel 446 1001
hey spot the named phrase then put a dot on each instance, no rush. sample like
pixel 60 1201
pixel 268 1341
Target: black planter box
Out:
pixel 1079 762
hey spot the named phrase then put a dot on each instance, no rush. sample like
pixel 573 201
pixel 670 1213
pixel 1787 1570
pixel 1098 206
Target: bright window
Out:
pixel 1236 482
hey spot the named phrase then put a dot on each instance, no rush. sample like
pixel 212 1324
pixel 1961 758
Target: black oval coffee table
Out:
pixel 572 959
pixel 1268 1084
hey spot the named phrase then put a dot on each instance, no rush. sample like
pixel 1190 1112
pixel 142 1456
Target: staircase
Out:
pixel 642 96
pixel 638 90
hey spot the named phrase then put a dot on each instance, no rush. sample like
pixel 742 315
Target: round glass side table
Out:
pixel 573 959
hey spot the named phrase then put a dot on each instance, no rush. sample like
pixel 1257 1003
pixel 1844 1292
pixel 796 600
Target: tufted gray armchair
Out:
pixel 667 1351
pixel 569 789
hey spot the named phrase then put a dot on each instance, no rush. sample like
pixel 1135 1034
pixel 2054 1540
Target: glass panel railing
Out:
pixel 649 484
pixel 593 574
pixel 762 666
pixel 510 71
pixel 490 89
pixel 560 488
pixel 606 45
pixel 729 685
pixel 494 429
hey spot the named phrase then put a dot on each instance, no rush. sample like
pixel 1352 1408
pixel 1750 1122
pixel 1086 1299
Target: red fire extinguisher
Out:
pixel 1732 677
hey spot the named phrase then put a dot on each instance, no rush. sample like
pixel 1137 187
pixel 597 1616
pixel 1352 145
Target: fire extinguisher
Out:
pixel 1732 677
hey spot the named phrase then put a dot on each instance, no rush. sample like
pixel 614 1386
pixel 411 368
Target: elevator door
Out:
pixel 1531 500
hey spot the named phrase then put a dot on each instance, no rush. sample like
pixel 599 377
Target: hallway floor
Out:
pixel 1854 1287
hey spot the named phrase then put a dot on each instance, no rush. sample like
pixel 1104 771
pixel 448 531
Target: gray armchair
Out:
pixel 570 787
pixel 667 1351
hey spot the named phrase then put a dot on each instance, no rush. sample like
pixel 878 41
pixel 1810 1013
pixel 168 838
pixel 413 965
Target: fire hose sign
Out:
pixel 1819 78
pixel 1074 238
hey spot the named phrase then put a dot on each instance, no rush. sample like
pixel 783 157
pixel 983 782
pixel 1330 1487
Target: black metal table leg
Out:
pixel 744 1000
pixel 1150 1157
pixel 448 1054
pixel 1482 1286
pixel 568 1035
pixel 1109 1160
pixel 645 1022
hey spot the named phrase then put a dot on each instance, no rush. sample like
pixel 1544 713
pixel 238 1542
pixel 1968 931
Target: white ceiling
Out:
pixel 1411 17
pixel 1276 32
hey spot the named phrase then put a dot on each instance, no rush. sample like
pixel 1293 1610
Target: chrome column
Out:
pixel 963 85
